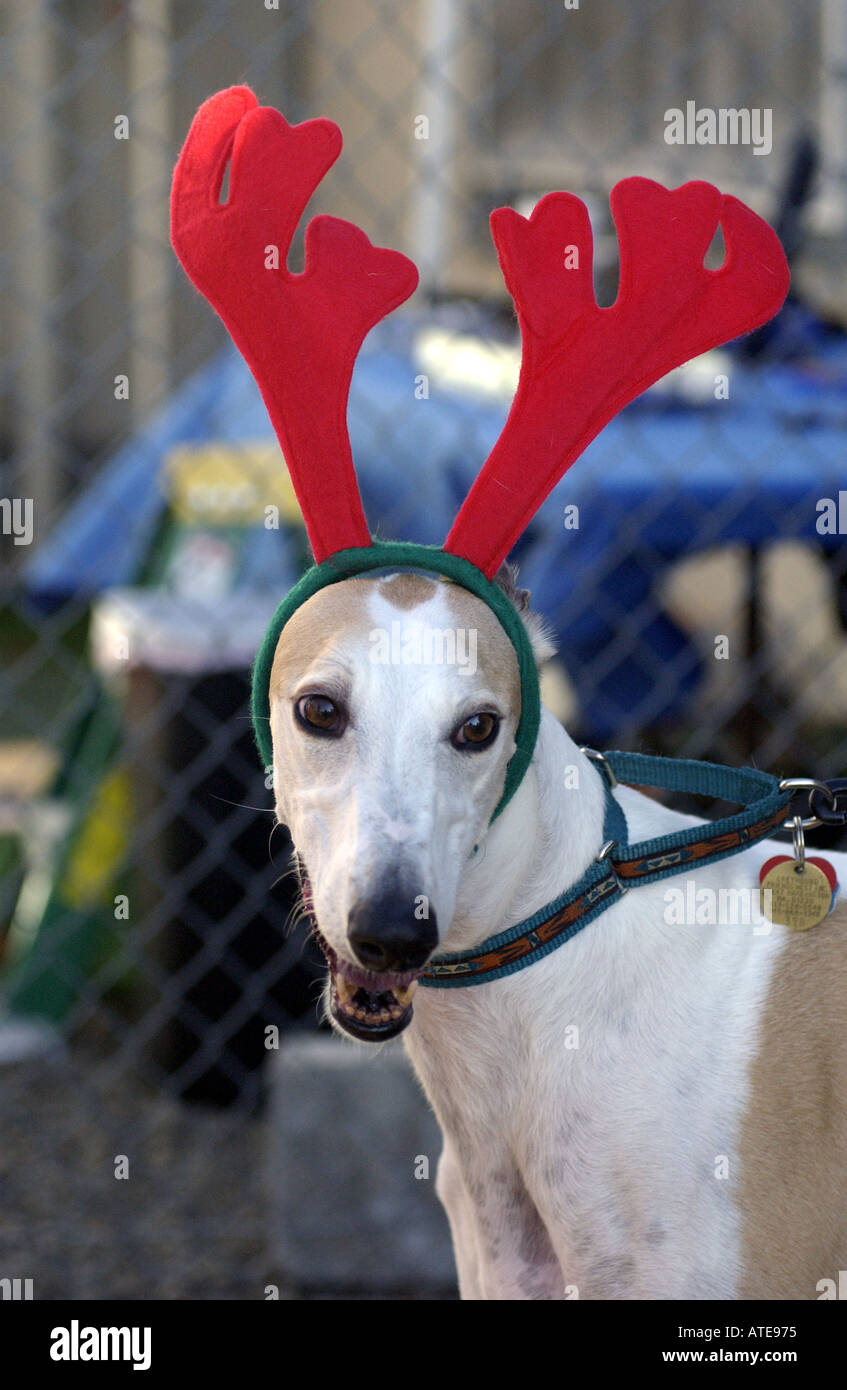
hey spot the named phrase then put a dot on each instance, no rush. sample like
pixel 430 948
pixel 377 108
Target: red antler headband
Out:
pixel 300 334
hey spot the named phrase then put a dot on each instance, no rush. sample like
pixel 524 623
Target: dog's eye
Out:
pixel 477 732
pixel 320 714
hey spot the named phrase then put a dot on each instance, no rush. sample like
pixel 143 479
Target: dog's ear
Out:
pixel 540 636
pixel 506 579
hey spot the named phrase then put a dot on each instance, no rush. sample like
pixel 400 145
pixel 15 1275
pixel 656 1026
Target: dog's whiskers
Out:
pixel 243 805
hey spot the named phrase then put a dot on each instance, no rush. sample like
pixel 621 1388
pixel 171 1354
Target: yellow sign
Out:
pixel 230 484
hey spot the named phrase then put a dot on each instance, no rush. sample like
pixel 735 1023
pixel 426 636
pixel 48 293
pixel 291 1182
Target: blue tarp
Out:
pixel 663 480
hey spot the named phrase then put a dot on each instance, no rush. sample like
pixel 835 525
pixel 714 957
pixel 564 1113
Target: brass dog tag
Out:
pixel 799 900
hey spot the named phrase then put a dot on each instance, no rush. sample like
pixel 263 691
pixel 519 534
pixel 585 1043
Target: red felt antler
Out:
pixel 581 364
pixel 298 333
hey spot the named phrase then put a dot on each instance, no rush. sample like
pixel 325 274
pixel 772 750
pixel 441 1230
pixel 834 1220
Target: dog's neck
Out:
pixel 541 844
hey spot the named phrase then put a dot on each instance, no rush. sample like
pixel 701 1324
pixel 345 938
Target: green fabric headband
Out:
pixel 344 564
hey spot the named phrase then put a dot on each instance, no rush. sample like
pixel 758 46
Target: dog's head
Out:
pixel 394 704
pixel 388 760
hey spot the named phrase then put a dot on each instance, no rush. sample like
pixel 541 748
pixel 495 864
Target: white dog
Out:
pixel 658 1109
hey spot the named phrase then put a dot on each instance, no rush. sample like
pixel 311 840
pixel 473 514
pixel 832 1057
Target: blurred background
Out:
pixel 158 1001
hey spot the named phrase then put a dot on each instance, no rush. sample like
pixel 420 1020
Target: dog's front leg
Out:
pixel 457 1203
pixel 501 1247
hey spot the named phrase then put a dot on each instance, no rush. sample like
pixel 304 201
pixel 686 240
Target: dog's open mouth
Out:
pixel 370 1007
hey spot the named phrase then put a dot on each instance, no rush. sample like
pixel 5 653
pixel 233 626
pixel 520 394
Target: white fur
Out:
pixel 616 1144
pixel 591 1171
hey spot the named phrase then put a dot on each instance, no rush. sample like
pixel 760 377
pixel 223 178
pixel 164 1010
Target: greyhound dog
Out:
pixel 655 1107
pixel 658 1110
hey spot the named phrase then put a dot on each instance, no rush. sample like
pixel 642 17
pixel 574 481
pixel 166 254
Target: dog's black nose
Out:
pixel 386 933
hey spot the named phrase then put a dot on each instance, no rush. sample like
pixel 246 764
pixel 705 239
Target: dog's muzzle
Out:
pixel 375 1004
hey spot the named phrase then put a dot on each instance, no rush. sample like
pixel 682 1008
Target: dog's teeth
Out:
pixel 344 988
pixel 404 996
pixel 392 1012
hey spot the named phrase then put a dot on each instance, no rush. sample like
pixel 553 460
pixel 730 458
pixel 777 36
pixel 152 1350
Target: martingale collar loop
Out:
pixel 398 555
pixel 620 866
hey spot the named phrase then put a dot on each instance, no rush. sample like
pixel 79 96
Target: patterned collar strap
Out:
pixel 620 866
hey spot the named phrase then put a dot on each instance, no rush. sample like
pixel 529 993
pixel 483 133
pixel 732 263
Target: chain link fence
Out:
pixel 691 565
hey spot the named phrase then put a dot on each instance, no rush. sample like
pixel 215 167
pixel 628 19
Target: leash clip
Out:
pixel 836 812
pixel 815 790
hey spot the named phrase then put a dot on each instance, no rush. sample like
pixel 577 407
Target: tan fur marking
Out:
pixel 314 629
pixel 495 653
pixel 406 591
pixel 793 1150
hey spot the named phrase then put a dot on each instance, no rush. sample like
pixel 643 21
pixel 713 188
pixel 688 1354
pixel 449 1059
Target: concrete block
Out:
pixel 349 1129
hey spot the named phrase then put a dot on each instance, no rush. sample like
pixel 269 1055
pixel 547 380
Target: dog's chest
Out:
pixel 614 1097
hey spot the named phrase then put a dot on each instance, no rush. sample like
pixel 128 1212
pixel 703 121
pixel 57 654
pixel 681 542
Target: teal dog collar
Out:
pixel 620 866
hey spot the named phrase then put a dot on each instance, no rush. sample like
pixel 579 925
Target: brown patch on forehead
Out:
pixel 793 1146
pixel 406 591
